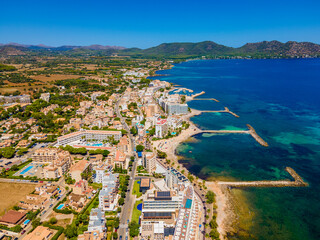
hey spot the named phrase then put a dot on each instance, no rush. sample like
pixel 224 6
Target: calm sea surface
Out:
pixel 281 100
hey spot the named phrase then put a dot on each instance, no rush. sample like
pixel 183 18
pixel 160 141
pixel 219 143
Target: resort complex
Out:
pixel 92 155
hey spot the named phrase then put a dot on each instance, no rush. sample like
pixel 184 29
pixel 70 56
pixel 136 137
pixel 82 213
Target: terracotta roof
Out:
pixel 145 182
pixel 12 217
pixel 120 156
pixel 80 166
pixel 39 233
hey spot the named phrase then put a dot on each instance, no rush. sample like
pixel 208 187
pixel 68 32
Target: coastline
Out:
pixel 225 213
pixel 250 207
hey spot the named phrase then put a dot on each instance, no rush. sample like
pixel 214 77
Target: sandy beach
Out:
pixel 169 145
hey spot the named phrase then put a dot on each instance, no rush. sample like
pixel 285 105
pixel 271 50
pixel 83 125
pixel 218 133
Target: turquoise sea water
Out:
pixel 281 100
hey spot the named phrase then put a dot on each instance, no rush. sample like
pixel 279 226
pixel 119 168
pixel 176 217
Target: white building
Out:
pixel 86 135
pixel 176 108
pixel 108 196
pixel 161 129
pixel 149 161
pixel 45 97
pixel 173 177
pixel 97 220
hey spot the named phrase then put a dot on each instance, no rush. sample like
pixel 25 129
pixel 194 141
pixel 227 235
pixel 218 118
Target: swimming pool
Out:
pixel 94 144
pixel 26 222
pixel 60 206
pixel 97 144
pixel 26 170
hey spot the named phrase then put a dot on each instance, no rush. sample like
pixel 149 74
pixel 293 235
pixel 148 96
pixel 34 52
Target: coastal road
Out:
pixel 204 208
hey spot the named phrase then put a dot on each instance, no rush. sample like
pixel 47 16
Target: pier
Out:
pixel 253 133
pixel 205 99
pixel 298 182
pixel 226 131
pixel 226 110
pixel 192 97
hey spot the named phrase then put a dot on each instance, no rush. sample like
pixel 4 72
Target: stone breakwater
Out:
pixel 251 131
pixel 298 182
pixel 226 110
pixel 255 135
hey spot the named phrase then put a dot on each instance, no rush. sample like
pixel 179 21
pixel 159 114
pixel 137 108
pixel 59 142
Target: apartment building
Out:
pixel 108 196
pixel 161 128
pixel 58 160
pixel 149 161
pixel 86 135
pixel 173 177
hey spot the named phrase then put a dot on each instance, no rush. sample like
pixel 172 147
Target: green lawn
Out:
pixel 136 188
pixel 96 185
pixel 10 173
pixel 136 213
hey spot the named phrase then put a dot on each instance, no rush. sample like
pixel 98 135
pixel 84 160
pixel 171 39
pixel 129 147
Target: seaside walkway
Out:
pixel 298 182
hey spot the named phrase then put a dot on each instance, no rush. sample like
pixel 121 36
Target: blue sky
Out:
pixel 148 23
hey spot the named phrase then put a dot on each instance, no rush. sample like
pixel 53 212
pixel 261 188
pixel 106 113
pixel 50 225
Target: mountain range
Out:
pixel 175 50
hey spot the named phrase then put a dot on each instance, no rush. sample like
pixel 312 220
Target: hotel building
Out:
pixel 89 135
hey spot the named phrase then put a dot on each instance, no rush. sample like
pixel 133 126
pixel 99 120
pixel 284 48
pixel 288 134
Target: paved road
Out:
pixel 126 211
pixel 47 211
pixel 205 207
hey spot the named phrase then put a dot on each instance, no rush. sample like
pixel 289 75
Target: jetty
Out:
pixel 177 90
pixel 205 99
pixel 193 96
pixel 298 182
pixel 250 131
pixel 226 110
pixel 255 135
pixel 226 131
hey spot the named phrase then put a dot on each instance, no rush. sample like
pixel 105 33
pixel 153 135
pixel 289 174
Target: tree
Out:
pixel 70 231
pixel 183 99
pixel 16 228
pixel 53 220
pixel 14 168
pixel 114 235
pixel 36 223
pixel 15 207
pixel 133 131
pixel 214 234
pixel 116 223
pixel 8 152
pixel 139 148
pixel 22 151
pixel 210 197
pixel 161 154
pixel 134 229
pixel 121 201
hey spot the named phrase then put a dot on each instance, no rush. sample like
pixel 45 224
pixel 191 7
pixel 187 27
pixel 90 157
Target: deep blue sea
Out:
pixel 281 100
